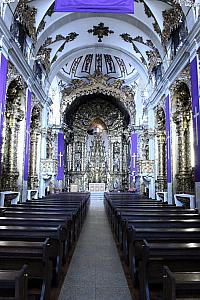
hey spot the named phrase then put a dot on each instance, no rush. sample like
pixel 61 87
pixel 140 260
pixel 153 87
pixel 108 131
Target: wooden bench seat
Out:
pixel 158 235
pixel 57 234
pixel 153 256
pixel 13 284
pixel 180 285
pixel 43 222
pixel 75 228
pixel 14 254
pixel 123 236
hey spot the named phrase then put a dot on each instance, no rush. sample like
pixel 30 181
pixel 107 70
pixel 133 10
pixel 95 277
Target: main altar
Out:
pixel 97 129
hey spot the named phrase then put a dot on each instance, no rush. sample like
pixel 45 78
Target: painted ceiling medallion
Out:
pixel 100 31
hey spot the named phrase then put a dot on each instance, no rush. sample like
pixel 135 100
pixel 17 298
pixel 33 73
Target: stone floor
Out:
pixel 95 271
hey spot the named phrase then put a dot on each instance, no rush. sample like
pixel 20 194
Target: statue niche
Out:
pixel 97 158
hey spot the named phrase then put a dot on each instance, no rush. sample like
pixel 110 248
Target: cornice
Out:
pixel 180 61
pixel 16 57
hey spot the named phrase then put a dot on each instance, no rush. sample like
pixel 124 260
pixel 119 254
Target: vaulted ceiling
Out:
pixel 121 46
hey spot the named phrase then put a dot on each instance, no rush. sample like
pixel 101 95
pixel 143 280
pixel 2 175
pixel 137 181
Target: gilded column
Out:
pixel 34 181
pixel 161 161
pixel 14 116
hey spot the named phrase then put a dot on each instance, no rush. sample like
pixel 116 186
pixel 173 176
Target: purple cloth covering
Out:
pixel 60 156
pixel 168 141
pixel 134 140
pixel 104 6
pixel 195 116
pixel 3 74
pixel 27 141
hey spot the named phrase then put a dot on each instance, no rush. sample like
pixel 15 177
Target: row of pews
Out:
pixel 36 238
pixel 160 244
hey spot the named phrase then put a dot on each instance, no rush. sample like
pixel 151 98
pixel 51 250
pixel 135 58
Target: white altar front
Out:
pixel 97 187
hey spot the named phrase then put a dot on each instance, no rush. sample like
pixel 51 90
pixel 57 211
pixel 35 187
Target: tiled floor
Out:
pixel 95 271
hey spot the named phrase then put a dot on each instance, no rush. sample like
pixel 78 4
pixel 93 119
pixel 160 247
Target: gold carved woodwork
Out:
pixel 97 84
pixel 27 16
pixel 145 167
pixel 182 117
pixel 35 130
pixel 161 144
pixel 88 157
pixel 171 20
pixel 13 116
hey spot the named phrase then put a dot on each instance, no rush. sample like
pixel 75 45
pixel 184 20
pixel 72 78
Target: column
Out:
pixel 161 161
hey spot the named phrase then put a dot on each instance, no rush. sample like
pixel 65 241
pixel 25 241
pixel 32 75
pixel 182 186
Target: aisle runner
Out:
pixel 95 272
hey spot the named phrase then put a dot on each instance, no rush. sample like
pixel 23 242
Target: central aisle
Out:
pixel 95 271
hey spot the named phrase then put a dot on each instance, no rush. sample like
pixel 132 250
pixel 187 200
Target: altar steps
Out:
pixel 96 196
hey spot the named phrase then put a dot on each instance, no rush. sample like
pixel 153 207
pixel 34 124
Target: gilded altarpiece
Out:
pixel 97 132
pixel 96 150
pixel 13 135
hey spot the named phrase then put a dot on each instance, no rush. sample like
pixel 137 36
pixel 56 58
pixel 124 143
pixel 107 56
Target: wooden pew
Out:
pixel 124 239
pixel 75 228
pixel 57 234
pixel 153 256
pixel 180 284
pixel 123 217
pixel 13 284
pixel 43 222
pixel 14 254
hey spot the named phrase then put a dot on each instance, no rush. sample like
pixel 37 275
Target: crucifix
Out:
pixel 134 159
pixel 168 145
pixel 195 116
pixel 27 139
pixel 60 155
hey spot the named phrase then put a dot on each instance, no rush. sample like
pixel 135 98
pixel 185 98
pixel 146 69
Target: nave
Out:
pixel 95 271
pixel 68 247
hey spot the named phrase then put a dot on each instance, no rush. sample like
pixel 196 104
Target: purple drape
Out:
pixel 134 140
pixel 104 6
pixel 3 74
pixel 168 140
pixel 61 146
pixel 195 115
pixel 27 140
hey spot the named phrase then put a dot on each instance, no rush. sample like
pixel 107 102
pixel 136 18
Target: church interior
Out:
pixel 99 149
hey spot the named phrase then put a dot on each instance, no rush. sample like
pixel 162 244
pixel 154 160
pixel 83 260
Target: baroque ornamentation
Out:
pixel 161 144
pixel 49 13
pixel 129 39
pixel 98 83
pixel 13 116
pixel 97 156
pixel 100 31
pixel 27 15
pixel 45 52
pixel 35 129
pixel 14 75
pixel 154 59
pixel 171 20
pixel 182 117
